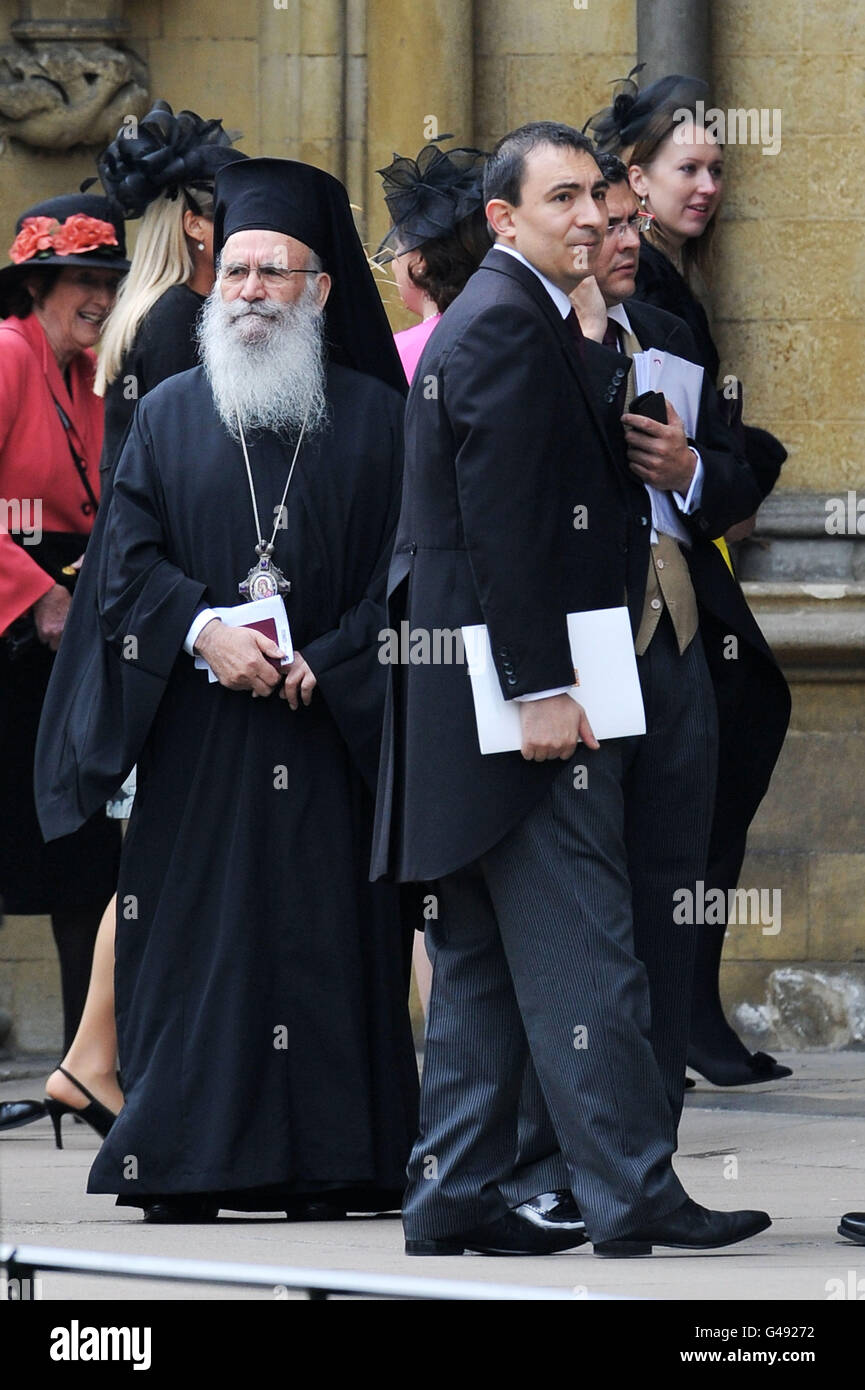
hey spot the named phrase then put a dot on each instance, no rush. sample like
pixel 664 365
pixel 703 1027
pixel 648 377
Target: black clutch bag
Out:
pixel 55 554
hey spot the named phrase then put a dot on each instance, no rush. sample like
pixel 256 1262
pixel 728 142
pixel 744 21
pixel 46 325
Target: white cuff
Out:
pixel 198 622
pixel 695 491
pixel 542 695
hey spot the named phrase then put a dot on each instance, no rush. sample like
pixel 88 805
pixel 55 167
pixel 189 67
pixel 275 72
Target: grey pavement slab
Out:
pixel 796 1148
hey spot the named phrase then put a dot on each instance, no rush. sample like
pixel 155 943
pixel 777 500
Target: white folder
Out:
pixel 679 380
pixel 602 652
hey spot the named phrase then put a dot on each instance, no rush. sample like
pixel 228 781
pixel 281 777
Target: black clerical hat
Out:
pixel 301 201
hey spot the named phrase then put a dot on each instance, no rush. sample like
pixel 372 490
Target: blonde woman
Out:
pixel 165 176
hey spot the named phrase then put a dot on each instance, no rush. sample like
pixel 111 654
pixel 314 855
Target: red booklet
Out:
pixel 267 616
pixel 267 627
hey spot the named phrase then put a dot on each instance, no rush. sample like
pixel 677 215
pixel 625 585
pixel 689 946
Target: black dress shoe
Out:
pixel 750 1070
pixel 180 1209
pixel 689 1227
pixel 14 1113
pixel 509 1234
pixel 314 1209
pixel 853 1226
pixel 553 1211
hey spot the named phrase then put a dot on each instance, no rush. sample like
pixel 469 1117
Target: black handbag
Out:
pixel 55 552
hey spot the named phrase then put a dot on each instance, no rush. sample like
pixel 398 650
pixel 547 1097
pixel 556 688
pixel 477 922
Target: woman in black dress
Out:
pixel 676 168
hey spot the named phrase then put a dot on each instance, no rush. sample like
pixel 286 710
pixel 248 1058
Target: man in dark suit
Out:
pixel 751 694
pixel 516 512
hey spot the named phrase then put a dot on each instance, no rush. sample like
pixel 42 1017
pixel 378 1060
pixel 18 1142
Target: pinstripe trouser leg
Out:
pixel 475 1053
pixel 669 799
pixel 546 955
pixel 668 820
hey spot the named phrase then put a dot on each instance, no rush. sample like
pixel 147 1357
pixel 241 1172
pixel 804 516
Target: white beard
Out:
pixel 266 361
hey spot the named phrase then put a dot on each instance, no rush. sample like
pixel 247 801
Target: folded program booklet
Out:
pixel 606 681
pixel 266 615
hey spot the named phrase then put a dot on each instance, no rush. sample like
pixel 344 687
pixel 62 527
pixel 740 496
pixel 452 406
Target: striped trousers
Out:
pixel 559 975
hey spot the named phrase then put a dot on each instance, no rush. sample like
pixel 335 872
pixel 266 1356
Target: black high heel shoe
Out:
pixel 749 1070
pixel 97 1115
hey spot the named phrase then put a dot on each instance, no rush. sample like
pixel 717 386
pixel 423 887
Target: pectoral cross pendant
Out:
pixel 265 580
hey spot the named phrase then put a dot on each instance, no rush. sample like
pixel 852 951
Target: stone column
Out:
pixel 355 93
pixel 302 82
pixel 420 84
pixel 674 36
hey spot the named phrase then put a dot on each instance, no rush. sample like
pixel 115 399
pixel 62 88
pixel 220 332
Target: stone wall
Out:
pixel 30 988
pixel 290 77
pixel 345 83
pixel 547 61
pixel 792 251
pixel 804 985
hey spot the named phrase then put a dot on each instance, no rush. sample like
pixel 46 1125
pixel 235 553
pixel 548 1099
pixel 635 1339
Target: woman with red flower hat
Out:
pixel 66 261
pixel 165 177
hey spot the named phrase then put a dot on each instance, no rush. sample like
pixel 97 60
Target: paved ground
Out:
pixel 796 1148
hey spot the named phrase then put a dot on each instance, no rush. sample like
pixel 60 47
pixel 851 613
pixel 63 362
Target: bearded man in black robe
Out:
pixel 261 981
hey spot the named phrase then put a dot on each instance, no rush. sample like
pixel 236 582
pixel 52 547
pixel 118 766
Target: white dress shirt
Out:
pixel 198 622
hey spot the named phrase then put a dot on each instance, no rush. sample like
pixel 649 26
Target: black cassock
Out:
pixel 261 980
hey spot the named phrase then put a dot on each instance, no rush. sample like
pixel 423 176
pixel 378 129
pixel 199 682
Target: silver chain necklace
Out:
pixel 266 580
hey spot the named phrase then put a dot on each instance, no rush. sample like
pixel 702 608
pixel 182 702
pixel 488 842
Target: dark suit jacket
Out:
pixel 504 441
pixel 752 694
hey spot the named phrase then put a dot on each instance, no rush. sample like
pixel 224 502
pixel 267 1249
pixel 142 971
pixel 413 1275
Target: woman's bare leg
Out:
pixel 92 1058
pixel 422 970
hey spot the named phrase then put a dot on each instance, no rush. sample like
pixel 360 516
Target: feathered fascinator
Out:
pixel 620 125
pixel 427 197
pixel 165 153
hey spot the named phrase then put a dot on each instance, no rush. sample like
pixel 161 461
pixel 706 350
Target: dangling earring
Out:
pixel 201 246
pixel 646 217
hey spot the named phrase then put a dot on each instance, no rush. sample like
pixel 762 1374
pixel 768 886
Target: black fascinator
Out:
pixel 427 197
pixel 167 152
pixel 622 123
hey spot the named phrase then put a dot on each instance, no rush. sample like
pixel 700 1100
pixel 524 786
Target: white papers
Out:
pixel 602 651
pixel 679 380
pixel 259 614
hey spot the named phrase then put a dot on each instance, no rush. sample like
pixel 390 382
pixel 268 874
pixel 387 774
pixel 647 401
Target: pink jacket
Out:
pixel 36 467
pixel 411 342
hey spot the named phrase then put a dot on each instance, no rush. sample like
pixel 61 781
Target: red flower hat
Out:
pixel 73 229
pixel 78 234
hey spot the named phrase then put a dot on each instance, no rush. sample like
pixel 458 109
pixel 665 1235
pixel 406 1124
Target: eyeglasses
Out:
pixel 638 222
pixel 235 274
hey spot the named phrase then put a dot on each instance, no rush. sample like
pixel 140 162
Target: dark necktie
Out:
pixel 573 324
pixel 611 335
